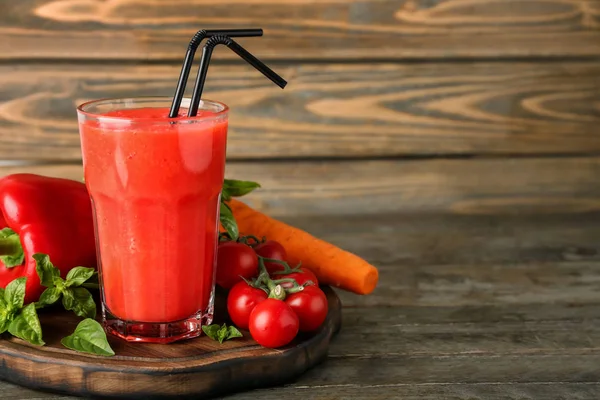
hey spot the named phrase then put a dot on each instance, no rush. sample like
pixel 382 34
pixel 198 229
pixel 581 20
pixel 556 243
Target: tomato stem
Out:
pixel 286 267
pixel 273 287
pixel 224 237
pixel 278 292
pixel 244 240
pixel 284 280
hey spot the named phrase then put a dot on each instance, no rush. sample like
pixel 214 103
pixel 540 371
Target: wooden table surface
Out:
pixel 468 307
pixel 413 108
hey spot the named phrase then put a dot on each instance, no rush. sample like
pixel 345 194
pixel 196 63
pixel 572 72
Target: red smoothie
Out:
pixel 155 185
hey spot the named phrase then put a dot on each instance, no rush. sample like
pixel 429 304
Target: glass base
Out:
pixel 156 332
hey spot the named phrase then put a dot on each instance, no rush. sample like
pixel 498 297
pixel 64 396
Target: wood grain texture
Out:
pixel 198 367
pixel 302 29
pixel 357 391
pixel 409 331
pixel 331 110
pixel 471 186
pixel 543 344
pixel 425 239
pixel 434 391
pixel 564 366
pixel 471 261
pixel 436 285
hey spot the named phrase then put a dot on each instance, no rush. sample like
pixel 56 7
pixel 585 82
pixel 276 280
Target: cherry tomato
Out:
pixel 274 250
pixel 235 260
pixel 310 305
pixel 273 323
pixel 301 277
pixel 241 300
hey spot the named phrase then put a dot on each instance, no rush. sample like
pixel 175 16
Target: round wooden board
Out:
pixel 198 368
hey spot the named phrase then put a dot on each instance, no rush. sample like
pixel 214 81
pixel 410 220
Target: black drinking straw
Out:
pixel 240 51
pixel 189 59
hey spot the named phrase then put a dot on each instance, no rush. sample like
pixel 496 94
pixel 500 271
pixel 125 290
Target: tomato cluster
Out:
pixel 266 296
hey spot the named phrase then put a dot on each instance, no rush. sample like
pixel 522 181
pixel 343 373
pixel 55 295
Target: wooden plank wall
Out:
pixel 472 106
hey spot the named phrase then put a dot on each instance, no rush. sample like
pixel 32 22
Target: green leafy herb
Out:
pixel 78 275
pixel 233 188
pixel 228 221
pixel 80 301
pixel 211 330
pixel 89 337
pixel 19 321
pixel 45 270
pixel 92 283
pixel 5 321
pixel 14 293
pixel 74 296
pixel 233 332
pixel 49 296
pixel 12 260
pixel 23 322
pixel 221 333
pixel 11 301
pixel 26 326
pixel 4 312
pixel 236 188
pixel 225 196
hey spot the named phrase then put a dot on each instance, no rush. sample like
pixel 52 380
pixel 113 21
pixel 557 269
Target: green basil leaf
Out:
pixel 225 196
pixel 58 282
pixel 211 331
pixel 26 326
pixel 6 314
pixel 221 333
pixel 49 296
pixel 14 293
pixel 5 320
pixel 45 270
pixel 78 275
pixel 80 301
pixel 89 337
pixel 233 332
pixel 235 188
pixel 228 221
pixel 92 283
pixel 17 258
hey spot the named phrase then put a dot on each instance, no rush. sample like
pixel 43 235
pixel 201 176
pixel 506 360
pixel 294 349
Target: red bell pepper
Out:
pixel 43 215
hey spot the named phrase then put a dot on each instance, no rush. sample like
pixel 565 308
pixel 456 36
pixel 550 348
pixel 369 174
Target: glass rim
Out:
pixel 81 109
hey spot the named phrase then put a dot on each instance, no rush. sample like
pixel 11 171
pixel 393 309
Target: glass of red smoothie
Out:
pixel 155 185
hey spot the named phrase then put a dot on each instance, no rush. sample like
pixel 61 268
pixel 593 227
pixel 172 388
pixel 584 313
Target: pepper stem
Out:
pixel 10 246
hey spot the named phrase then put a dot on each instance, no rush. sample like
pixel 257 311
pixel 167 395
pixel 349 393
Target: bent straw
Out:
pixel 189 59
pixel 240 51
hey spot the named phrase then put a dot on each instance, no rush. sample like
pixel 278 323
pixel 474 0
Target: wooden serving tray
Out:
pixel 197 368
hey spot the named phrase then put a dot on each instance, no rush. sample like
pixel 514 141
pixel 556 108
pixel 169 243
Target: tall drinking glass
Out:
pixel 155 187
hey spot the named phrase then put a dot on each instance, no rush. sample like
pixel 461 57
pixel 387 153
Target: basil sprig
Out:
pixel 236 188
pixel 228 222
pixel 19 321
pixel 23 322
pixel 74 296
pixel 26 326
pixel 221 333
pixel 233 188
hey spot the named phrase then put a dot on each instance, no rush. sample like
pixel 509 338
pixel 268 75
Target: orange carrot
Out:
pixel 331 265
